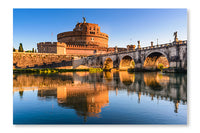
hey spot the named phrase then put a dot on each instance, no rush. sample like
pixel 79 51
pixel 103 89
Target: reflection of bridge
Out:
pixel 154 84
pixel 88 93
pixel 175 53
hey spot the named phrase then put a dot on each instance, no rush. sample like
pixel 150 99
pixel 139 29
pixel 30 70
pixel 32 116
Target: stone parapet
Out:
pixel 40 60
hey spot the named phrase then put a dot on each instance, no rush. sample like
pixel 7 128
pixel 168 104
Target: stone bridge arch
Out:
pixel 154 58
pixel 114 58
pixel 126 62
pixel 176 55
pixel 108 63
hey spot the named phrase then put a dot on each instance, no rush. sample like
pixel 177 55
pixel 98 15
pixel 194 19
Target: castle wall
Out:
pixel 84 34
pixel 41 60
pixel 51 47
pixel 79 50
pixel 47 47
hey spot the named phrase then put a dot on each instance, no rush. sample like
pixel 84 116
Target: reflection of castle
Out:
pixel 86 100
pixel 87 94
pixel 85 39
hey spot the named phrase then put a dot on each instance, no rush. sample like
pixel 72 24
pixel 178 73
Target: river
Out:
pixel 100 98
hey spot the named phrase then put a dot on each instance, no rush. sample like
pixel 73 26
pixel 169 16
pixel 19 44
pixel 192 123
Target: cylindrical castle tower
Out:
pixel 84 34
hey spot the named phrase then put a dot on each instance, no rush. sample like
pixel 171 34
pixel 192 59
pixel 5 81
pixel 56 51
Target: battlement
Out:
pixel 84 34
pixel 51 47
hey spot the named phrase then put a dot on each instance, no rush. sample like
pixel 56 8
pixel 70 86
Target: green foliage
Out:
pixel 33 50
pixel 46 70
pixel 21 48
pixel 13 49
pixel 132 64
pixel 160 66
pixel 28 51
pixel 95 70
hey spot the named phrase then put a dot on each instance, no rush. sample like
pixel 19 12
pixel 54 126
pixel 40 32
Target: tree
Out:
pixel 13 49
pixel 160 66
pixel 35 51
pixel 32 50
pixel 21 48
pixel 132 64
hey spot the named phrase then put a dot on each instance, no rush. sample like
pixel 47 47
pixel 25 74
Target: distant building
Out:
pixel 85 39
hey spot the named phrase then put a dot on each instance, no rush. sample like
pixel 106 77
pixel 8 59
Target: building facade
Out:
pixel 85 39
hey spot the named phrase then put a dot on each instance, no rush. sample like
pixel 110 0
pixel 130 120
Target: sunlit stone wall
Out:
pixel 40 60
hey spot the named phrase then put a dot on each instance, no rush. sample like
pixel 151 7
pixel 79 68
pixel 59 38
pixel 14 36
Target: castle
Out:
pixel 85 39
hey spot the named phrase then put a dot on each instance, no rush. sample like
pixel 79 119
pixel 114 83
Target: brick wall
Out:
pixel 84 34
pixel 40 60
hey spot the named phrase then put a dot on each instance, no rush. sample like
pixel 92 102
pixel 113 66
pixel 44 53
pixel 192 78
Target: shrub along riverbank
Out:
pixel 48 70
pixel 91 70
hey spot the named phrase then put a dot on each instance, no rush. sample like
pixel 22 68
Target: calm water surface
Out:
pixel 100 98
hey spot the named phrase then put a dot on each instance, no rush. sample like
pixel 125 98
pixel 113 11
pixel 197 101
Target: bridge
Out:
pixel 175 54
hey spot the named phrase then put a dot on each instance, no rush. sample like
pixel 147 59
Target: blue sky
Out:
pixel 124 26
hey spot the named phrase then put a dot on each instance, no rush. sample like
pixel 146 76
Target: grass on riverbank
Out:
pixel 47 70
pixel 95 70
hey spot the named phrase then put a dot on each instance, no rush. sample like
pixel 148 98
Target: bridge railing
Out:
pixel 163 45
pixel 144 48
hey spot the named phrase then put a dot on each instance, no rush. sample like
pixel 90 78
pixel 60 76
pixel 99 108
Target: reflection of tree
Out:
pixel 21 93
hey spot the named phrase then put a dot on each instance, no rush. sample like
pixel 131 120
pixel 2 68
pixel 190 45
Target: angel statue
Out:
pixel 84 19
pixel 175 35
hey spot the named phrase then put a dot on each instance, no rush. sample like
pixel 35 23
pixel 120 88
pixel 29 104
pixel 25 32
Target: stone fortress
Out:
pixel 86 46
pixel 85 39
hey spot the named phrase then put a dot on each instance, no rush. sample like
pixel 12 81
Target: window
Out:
pixel 92 32
pixel 92 38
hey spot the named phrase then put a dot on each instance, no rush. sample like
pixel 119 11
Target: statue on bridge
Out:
pixel 84 20
pixel 175 37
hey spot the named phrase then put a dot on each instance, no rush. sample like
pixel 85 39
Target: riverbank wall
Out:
pixel 23 60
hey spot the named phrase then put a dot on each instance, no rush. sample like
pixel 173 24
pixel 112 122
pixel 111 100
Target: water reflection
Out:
pixel 88 93
pixel 156 81
pixel 126 78
pixel 84 99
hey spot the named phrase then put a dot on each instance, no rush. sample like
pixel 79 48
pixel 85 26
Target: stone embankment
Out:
pixel 41 60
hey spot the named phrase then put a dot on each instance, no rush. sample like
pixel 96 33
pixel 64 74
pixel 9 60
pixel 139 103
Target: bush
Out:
pixel 95 70
pixel 132 64
pixel 160 66
pixel 21 48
